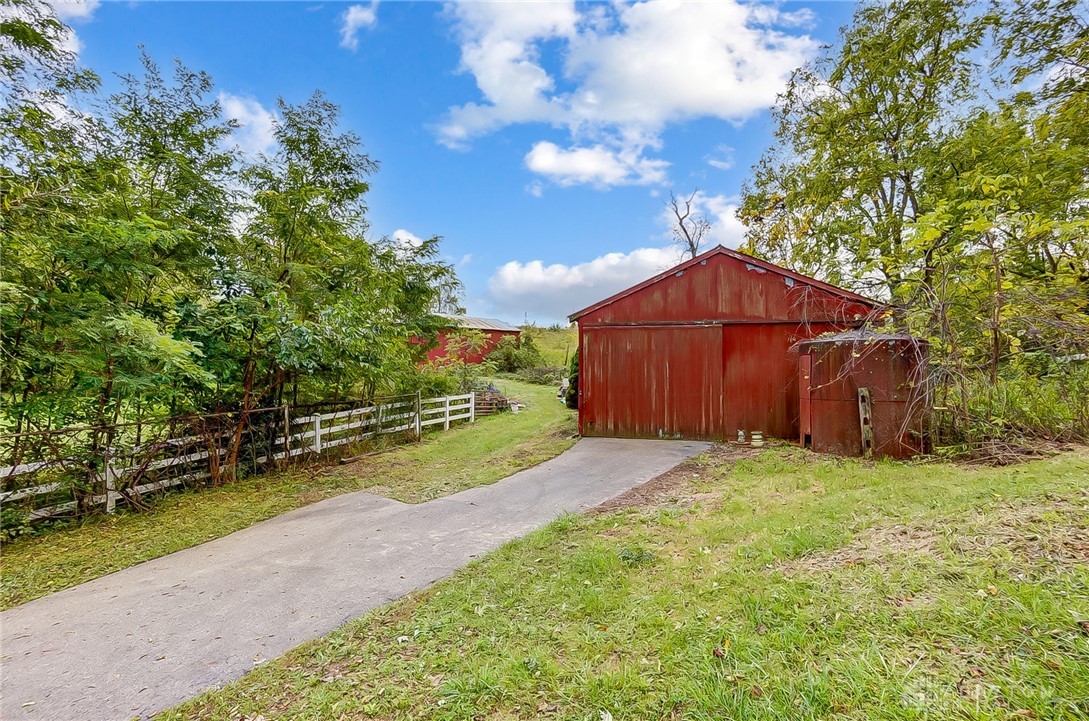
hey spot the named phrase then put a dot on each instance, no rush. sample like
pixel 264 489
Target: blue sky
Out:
pixel 540 139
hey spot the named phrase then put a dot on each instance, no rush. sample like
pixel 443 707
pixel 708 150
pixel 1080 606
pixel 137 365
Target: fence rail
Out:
pixel 84 475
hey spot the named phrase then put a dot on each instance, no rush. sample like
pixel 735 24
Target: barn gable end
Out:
pixel 722 284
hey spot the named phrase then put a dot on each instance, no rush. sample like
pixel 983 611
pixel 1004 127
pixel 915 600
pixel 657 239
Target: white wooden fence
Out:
pixel 191 459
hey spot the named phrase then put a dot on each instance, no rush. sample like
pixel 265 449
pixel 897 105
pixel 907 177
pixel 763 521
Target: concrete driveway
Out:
pixel 149 637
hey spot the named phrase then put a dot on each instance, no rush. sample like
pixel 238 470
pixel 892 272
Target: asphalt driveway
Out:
pixel 141 640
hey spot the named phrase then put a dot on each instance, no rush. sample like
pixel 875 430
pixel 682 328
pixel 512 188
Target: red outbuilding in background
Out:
pixel 705 349
pixel 493 330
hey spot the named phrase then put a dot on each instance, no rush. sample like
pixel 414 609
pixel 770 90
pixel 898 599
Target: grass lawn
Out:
pixel 444 463
pixel 782 586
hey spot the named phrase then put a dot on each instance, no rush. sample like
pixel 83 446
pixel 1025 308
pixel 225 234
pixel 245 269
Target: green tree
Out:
pixel 893 175
pixel 149 271
pixel 98 267
pixel 860 135
pixel 311 307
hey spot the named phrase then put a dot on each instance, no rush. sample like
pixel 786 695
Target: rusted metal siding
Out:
pixel 691 381
pixel 894 372
pixel 651 382
pixel 758 383
pixel 761 365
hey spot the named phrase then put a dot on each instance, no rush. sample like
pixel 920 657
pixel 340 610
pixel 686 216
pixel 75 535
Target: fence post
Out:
pixel 446 413
pixel 111 487
pixel 317 432
pixel 865 421
pixel 472 407
pixel 287 433
pixel 419 416
pixel 378 425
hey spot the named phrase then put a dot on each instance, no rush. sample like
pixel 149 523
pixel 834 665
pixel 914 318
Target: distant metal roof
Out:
pixel 474 323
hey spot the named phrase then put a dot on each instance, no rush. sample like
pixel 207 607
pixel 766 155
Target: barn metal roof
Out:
pixel 475 323
pixel 722 250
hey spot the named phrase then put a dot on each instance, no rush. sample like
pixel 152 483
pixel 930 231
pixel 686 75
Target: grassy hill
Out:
pixel 557 343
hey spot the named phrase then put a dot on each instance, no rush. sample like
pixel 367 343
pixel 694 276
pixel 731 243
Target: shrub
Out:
pixel 541 375
pixel 512 354
pixel 572 397
pixel 1054 406
pixel 434 380
pixel 450 374
pixel 14 522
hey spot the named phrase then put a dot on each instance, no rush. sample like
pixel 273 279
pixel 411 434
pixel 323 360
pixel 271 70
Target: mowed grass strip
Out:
pixel 444 463
pixel 785 586
pixel 499 446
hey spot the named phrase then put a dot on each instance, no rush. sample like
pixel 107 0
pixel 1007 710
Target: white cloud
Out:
pixel 722 158
pixel 595 165
pixel 628 71
pixel 70 42
pixel 63 113
pixel 74 10
pixel 465 260
pixel 726 229
pixel 354 19
pixel 406 240
pixel 554 291
pixel 672 60
pixel 500 48
pixel 771 15
pixel 257 125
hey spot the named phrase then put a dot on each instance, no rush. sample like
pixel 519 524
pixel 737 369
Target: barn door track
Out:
pixel 149 637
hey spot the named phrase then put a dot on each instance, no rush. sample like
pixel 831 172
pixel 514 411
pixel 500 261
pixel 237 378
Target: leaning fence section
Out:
pixel 75 471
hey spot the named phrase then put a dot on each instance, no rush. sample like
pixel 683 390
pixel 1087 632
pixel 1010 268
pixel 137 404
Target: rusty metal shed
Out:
pixel 704 349
pixel 891 369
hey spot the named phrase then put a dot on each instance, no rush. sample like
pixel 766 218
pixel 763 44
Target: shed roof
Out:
pixel 860 335
pixel 722 250
pixel 476 323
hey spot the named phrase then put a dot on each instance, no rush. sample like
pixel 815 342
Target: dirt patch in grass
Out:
pixel 872 546
pixel 1055 531
pixel 678 484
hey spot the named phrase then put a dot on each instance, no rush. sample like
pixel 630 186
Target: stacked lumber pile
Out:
pixel 491 401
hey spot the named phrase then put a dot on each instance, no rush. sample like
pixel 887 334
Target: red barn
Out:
pixel 493 330
pixel 704 349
